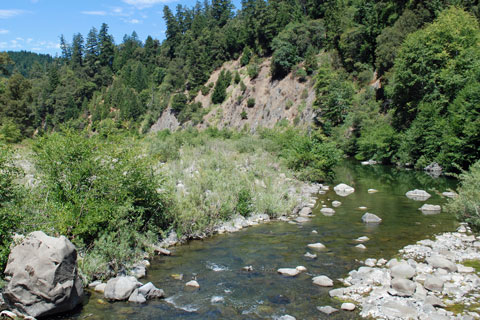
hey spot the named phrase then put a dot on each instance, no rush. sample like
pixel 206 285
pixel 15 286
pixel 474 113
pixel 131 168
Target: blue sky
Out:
pixel 36 25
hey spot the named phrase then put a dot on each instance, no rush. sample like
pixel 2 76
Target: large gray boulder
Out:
pixel 120 288
pixel 343 190
pixel 402 270
pixel 441 262
pixel 44 276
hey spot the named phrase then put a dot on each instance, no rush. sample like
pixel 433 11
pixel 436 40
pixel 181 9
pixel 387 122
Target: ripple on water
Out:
pixel 216 267
pixel 188 307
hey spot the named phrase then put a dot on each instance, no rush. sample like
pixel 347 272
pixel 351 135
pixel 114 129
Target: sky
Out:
pixel 36 25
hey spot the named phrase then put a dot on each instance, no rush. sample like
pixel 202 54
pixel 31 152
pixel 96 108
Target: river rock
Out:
pixel 372 190
pixel 347 306
pixel 305 212
pixel 100 288
pixel 137 297
pixel 149 291
pixel 310 255
pixel 370 262
pixel 289 272
pixel 462 269
pixel 402 270
pixel 327 309
pixel 434 301
pixel 434 283
pixel 336 203
pixel 361 247
pixel 449 194
pixel 434 169
pixel 327 211
pixel 343 190
pixel 287 317
pixel 441 262
pixel 403 287
pixel 362 239
pixel 430 209
pixel 120 288
pixel 418 195
pixel 43 276
pixel 316 246
pixel 369 162
pixel 371 218
pixel 398 310
pixel 93 284
pixel 323 281
pixel 302 219
pixel 193 284
pixel 139 271
pixel 362 208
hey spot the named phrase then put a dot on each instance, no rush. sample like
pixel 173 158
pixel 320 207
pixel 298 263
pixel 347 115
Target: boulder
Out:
pixel 100 288
pixel 403 287
pixel 347 306
pixel 435 301
pixel 402 270
pixel 418 195
pixel 371 218
pixel 323 281
pixel 43 276
pixel 434 169
pixel 327 211
pixel 120 288
pixel 399 310
pixel 137 297
pixel 430 209
pixel 286 317
pixel 441 262
pixel 370 262
pixel 361 247
pixel 149 291
pixel 305 212
pixel 434 283
pixel 343 190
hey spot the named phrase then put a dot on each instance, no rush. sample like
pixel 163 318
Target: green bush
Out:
pixel 253 70
pixel 246 56
pixel 244 205
pixel 220 92
pixel 244 115
pixel 236 78
pixel 9 197
pixel 466 206
pixel 179 102
pixel 95 186
pixel 250 102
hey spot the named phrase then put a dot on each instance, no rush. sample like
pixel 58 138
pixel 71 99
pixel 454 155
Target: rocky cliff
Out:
pixel 289 99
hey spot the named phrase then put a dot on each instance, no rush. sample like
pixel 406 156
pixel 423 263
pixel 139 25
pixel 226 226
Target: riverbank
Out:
pixel 432 279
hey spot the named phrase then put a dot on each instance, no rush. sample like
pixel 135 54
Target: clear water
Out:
pixel 217 262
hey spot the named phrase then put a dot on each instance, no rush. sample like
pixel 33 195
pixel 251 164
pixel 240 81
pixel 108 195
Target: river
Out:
pixel 228 292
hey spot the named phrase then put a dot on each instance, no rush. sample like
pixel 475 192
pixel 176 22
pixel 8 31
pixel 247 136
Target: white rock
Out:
pixel 310 255
pixel 370 262
pixel 430 208
pixel 289 272
pixel 193 284
pixel 462 269
pixel 301 268
pixel 316 246
pixel 343 190
pixel 100 287
pixel 449 194
pixel 314 231
pixel 348 306
pixel 362 208
pixel 372 191
pixel 361 247
pixel 418 195
pixel 336 203
pixel 327 309
pixel 362 239
pixel 137 297
pixel 327 211
pixel 371 218
pixel 305 212
pixel 287 317
pixel 323 281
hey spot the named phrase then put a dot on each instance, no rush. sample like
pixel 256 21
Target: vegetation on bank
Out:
pixel 115 194
pixel 467 204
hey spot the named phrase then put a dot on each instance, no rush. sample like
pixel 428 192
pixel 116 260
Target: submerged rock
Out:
pixel 327 309
pixel 336 203
pixel 371 218
pixel 362 239
pixel 291 272
pixel 305 212
pixel 430 209
pixel 343 190
pixel 327 211
pixel 372 190
pixel 418 195
pixel 43 276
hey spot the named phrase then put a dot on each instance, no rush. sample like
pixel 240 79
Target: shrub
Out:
pixel 236 78
pixel 250 102
pixel 97 186
pixel 179 101
pixel 205 90
pixel 243 87
pixel 220 92
pixel 244 115
pixel 246 56
pixel 253 70
pixel 466 206
pixel 9 196
pixel 244 203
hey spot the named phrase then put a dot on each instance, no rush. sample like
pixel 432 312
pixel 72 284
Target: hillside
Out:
pixel 289 100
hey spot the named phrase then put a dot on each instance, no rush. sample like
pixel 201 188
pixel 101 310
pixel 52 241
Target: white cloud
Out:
pixel 133 21
pixel 4 31
pixel 29 40
pixel 94 13
pixel 5 14
pixel 142 4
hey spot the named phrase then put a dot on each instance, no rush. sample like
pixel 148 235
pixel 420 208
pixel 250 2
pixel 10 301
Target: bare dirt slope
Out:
pixel 288 99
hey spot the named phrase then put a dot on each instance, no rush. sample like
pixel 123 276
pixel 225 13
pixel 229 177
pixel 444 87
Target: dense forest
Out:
pixel 395 81
pixel 425 54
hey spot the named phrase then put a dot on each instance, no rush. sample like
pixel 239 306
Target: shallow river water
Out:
pixel 228 292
